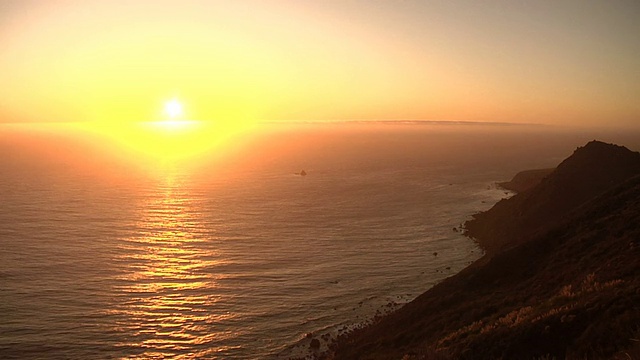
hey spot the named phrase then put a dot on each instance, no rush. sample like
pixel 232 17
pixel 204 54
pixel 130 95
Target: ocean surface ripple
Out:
pixel 188 265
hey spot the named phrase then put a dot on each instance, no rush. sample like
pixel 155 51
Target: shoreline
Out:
pixel 331 335
pixel 560 282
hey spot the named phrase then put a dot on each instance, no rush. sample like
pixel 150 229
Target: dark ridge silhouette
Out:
pixel 526 180
pixel 591 170
pixel 572 290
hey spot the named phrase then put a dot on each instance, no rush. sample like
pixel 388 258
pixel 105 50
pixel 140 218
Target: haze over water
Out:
pixel 239 259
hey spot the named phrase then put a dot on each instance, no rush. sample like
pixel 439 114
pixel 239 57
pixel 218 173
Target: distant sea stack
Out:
pixel 560 278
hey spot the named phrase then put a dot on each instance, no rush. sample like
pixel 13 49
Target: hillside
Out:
pixel 525 180
pixel 570 289
pixel 591 170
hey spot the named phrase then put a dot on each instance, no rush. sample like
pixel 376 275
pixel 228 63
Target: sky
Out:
pixel 547 62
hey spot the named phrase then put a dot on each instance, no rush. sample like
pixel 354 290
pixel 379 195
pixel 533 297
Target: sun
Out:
pixel 173 109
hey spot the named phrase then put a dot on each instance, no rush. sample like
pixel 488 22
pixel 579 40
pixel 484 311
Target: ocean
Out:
pixel 242 257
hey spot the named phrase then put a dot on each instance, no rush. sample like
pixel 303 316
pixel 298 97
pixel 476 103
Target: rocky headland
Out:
pixel 560 278
pixel 525 180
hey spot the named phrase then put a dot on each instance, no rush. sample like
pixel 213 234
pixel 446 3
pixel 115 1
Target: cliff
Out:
pixel 566 286
pixel 591 170
pixel 526 180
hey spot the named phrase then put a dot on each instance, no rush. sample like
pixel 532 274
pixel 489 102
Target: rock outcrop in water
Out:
pixel 561 278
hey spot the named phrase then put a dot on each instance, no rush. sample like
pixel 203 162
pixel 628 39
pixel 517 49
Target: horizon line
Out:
pixel 314 121
pixel 402 122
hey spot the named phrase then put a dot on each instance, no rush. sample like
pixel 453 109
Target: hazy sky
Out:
pixel 555 62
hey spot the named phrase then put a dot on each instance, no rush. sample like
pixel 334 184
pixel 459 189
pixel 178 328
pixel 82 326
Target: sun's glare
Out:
pixel 174 136
pixel 173 109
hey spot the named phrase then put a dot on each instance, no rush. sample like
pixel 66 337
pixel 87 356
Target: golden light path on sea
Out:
pixel 168 286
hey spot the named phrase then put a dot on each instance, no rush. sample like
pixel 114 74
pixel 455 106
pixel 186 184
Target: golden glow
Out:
pixel 151 142
pixel 113 61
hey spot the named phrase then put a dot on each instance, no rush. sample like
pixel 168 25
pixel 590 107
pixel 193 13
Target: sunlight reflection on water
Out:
pixel 167 289
pixel 205 261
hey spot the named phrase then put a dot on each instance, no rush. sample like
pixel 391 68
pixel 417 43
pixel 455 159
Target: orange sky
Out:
pixel 569 63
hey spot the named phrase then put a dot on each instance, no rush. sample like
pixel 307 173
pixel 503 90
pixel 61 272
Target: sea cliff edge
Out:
pixel 560 277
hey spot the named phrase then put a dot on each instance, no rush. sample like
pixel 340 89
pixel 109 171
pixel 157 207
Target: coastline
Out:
pixel 525 180
pixel 308 348
pixel 566 289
